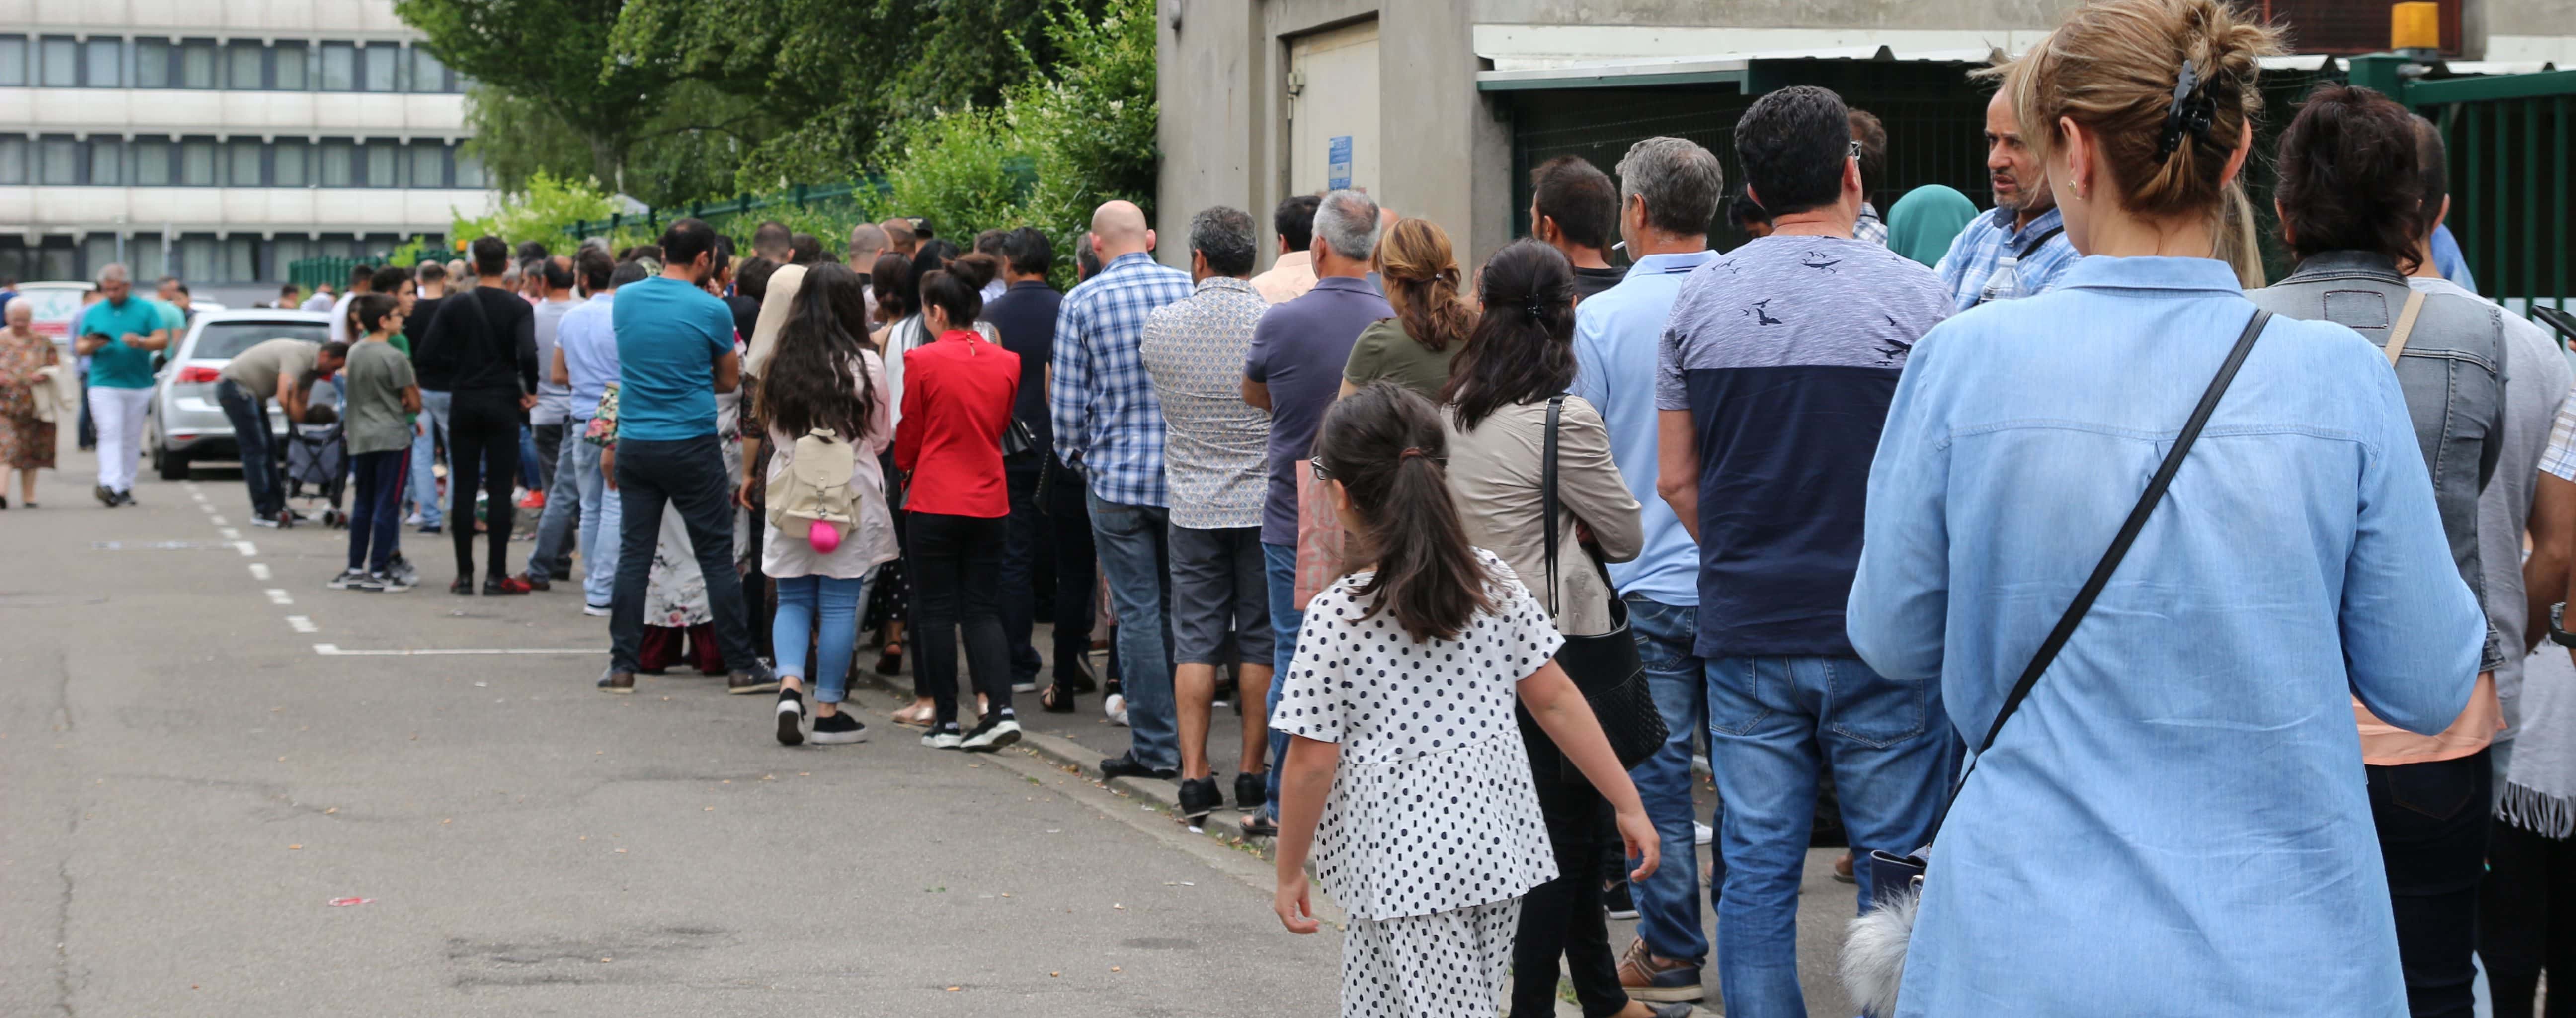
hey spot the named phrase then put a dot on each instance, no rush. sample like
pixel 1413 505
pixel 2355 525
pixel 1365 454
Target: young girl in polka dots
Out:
pixel 1406 774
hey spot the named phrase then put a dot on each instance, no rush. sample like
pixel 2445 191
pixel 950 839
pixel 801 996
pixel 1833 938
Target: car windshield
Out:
pixel 226 340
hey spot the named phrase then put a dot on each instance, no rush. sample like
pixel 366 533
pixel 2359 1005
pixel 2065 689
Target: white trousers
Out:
pixel 118 413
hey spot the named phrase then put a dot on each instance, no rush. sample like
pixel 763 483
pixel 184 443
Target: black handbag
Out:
pixel 1605 666
pixel 1898 879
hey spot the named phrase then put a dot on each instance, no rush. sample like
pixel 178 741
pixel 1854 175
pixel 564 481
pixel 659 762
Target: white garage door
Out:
pixel 1332 118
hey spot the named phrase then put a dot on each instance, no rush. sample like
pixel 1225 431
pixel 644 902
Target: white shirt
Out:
pixel 340 317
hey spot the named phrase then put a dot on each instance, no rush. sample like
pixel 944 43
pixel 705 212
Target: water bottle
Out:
pixel 2005 284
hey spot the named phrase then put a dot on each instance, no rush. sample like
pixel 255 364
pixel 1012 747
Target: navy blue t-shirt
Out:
pixel 1786 352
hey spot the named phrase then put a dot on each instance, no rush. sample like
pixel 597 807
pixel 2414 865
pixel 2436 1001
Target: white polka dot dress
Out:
pixel 1431 810
pixel 1446 964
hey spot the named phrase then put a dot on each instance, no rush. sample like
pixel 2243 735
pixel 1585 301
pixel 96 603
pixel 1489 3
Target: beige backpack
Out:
pixel 816 483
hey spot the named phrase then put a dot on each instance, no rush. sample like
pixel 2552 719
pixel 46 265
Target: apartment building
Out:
pixel 220 142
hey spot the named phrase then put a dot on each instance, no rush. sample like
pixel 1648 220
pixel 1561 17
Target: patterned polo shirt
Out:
pixel 1107 423
pixel 1214 443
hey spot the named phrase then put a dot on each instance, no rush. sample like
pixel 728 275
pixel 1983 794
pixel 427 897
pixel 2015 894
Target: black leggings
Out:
pixel 1564 918
pixel 2528 920
pixel 482 451
pixel 956 564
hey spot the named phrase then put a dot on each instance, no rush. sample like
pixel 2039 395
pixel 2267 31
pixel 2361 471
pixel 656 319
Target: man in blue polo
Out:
pixel 1669 190
pixel 119 335
pixel 2018 248
pixel 1294 370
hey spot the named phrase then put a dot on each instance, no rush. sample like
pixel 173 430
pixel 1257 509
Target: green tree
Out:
pixel 687 151
pixel 554 52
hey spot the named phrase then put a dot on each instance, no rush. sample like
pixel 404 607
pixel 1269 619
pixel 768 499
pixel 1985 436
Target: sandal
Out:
pixel 1056 700
pixel 915 715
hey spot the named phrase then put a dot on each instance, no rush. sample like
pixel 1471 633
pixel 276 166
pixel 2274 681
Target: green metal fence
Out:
pixel 799 196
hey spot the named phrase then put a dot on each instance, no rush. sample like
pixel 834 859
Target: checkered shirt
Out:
pixel 1107 421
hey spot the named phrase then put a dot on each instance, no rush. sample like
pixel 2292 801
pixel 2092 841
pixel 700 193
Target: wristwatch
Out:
pixel 2557 621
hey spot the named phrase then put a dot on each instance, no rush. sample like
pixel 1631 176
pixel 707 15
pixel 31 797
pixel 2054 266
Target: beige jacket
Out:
pixel 1494 474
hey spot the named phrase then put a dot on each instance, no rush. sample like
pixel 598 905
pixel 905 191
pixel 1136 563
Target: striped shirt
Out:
pixel 1107 422
pixel 1970 265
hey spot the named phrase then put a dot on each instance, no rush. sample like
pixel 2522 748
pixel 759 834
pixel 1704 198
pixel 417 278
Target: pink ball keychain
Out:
pixel 824 536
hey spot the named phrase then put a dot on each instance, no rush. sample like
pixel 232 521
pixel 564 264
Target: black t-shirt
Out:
pixel 483 339
pixel 414 329
pixel 1025 316
pixel 1591 281
pixel 746 314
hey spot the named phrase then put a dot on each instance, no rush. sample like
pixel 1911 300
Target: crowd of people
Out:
pixel 1500 549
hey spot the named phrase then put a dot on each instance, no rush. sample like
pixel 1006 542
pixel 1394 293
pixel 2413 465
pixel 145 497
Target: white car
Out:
pixel 184 424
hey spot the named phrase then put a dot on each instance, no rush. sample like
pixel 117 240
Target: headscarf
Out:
pixel 1923 223
pixel 775 306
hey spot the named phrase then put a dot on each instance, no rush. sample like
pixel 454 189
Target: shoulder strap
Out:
pixel 2405 326
pixel 1547 494
pixel 2038 242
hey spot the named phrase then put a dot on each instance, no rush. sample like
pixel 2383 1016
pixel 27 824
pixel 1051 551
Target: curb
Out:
pixel 1224 825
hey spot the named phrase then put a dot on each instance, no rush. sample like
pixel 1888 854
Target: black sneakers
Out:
pixel 1618 902
pixel 791 718
pixel 1199 797
pixel 1251 791
pixel 1127 767
pixel 997 731
pixel 945 736
pixel 838 730
pixel 756 679
pixel 349 579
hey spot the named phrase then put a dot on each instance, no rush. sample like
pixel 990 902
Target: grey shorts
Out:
pixel 1219 586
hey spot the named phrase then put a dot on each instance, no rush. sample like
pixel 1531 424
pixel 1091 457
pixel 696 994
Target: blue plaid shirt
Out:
pixel 1989 237
pixel 1107 421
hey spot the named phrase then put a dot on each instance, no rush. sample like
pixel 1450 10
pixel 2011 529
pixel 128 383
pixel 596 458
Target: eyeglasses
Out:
pixel 1855 148
pixel 1322 472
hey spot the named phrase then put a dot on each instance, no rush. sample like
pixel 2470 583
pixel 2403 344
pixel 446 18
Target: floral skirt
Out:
pixel 26 443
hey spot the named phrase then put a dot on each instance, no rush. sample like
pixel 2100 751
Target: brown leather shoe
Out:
pixel 1843 869
pixel 756 680
pixel 614 681
pixel 1646 977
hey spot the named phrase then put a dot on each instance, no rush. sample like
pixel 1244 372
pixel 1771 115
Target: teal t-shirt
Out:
pixel 116 365
pixel 669 336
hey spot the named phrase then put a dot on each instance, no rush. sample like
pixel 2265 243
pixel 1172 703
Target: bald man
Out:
pixel 1109 427
pixel 899 236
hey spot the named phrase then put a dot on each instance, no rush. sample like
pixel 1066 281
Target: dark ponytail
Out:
pixel 1384 444
pixel 1522 349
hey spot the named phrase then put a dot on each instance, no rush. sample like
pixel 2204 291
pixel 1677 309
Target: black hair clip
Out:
pixel 2191 111
pixel 1534 306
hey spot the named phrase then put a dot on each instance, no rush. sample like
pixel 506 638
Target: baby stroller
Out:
pixel 318 455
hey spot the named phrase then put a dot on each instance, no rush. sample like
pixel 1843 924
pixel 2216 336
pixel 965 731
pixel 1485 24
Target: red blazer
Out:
pixel 957 396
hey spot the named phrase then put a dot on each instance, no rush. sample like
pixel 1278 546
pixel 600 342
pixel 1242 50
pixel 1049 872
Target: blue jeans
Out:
pixel 838 609
pixel 1135 558
pixel 1774 723
pixel 249 416
pixel 424 454
pixel 600 527
pixel 375 515
pixel 1668 903
pixel 530 477
pixel 1279 564
pixel 563 511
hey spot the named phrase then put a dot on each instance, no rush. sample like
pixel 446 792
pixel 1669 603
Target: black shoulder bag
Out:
pixel 1605 666
pixel 1899 879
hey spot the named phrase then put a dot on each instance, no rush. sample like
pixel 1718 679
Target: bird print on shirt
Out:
pixel 1759 311
pixel 1820 260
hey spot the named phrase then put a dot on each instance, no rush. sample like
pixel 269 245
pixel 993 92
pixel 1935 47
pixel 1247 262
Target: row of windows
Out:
pixel 59 61
pixel 201 259
pixel 57 160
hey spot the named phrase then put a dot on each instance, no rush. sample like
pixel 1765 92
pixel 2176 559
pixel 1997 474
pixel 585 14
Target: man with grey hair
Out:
pixel 119 334
pixel 1669 191
pixel 1294 370
pixel 1213 463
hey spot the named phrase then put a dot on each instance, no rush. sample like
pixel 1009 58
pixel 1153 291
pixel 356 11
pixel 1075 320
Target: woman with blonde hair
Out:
pixel 1413 349
pixel 2151 540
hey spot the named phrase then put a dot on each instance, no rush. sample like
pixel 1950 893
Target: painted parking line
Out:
pixel 259 570
pixel 217 520
pixel 279 596
pixel 229 533
pixel 335 650
pixel 247 549
pixel 302 624
pixel 205 507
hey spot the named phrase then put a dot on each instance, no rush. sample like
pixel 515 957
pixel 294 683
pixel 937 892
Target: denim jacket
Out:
pixel 2452 375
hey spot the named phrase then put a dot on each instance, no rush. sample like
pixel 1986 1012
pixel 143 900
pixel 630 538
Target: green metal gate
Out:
pixel 2508 136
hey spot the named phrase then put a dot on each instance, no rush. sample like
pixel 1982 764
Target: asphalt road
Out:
pixel 202 749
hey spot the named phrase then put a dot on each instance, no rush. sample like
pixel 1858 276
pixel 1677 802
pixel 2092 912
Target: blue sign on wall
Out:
pixel 1337 174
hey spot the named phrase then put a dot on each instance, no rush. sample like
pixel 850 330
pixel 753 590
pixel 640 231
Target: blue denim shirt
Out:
pixel 2176 820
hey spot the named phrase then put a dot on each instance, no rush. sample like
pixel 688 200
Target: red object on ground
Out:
pixel 346 902
pixel 534 500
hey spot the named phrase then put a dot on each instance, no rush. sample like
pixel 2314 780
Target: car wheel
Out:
pixel 171 466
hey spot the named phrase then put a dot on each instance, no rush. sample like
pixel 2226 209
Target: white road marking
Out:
pixel 205 507
pixel 278 596
pixel 230 534
pixel 216 520
pixel 259 570
pixel 335 650
pixel 247 549
pixel 302 624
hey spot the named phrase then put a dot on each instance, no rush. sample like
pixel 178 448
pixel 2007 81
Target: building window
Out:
pixel 152 59
pixel 469 170
pixel 197 64
pixel 427 74
pixel 106 161
pixel 339 67
pixel 245 168
pixel 198 259
pixel 105 60
pixel 287 251
pixel 13 60
pixel 58 161
pixel 291 67
pixel 338 163
pixel 100 251
pixel 379 63
pixel 197 163
pixel 244 64
pixel 144 257
pixel 290 168
pixel 428 164
pixel 382 158
pixel 61 63
pixel 151 162
pixel 240 259
pixel 13 160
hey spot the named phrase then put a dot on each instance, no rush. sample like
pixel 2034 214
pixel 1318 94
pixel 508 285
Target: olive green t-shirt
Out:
pixel 374 379
pixel 1384 351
